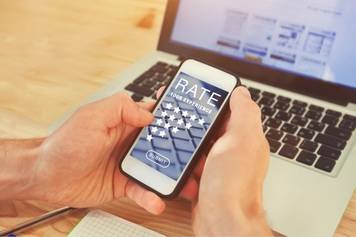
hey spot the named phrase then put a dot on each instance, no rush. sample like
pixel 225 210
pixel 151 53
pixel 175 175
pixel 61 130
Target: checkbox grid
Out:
pixel 102 224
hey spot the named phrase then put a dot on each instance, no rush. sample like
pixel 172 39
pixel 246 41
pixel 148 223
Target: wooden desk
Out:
pixel 53 54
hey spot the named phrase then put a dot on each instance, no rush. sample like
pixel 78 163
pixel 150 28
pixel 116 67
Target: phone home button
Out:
pixel 157 158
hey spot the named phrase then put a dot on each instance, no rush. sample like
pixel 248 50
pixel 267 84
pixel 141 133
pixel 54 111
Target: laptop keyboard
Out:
pixel 305 133
pixel 300 132
pixel 150 81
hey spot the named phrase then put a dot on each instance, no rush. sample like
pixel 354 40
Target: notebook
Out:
pixel 98 223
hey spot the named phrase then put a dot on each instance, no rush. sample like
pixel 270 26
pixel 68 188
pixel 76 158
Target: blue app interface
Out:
pixel 181 122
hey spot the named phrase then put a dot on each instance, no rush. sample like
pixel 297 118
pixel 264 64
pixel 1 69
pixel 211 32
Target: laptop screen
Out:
pixel 315 38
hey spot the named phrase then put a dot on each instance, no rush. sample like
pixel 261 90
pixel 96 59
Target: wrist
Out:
pixel 232 218
pixel 19 158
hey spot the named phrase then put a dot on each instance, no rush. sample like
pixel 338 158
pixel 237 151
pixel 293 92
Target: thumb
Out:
pixel 245 113
pixel 120 108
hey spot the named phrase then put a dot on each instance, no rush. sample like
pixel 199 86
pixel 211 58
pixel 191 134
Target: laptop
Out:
pixel 297 59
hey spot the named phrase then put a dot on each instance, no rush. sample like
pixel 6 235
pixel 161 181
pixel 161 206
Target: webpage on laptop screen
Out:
pixel 308 37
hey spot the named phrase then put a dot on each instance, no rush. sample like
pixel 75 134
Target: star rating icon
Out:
pixel 164 114
pixel 180 121
pixel 172 117
pixel 176 110
pixel 149 138
pixel 188 125
pixel 154 130
pixel 169 106
pixel 159 122
pixel 173 121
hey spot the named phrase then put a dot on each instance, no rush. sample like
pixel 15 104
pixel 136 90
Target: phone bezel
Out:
pixel 153 179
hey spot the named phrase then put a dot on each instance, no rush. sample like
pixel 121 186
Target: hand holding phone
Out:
pixel 164 153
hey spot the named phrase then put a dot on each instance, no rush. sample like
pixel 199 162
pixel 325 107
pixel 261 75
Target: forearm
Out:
pixel 16 162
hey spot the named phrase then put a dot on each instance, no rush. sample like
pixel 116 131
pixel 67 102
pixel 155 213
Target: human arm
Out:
pixel 230 193
pixel 17 156
pixel 77 165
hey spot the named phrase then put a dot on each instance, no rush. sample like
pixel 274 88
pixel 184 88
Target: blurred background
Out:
pixel 53 54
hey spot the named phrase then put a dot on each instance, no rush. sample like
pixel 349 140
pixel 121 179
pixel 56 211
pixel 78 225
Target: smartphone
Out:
pixel 164 153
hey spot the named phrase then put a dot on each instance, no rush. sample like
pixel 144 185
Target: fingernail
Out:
pixel 243 90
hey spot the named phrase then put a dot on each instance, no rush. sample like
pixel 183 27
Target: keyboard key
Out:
pixel 269 111
pixel 160 67
pixel 139 90
pixel 160 79
pixel 284 99
pixel 333 113
pixel 148 83
pixel 273 123
pixel 350 117
pixel 141 79
pixel 148 74
pixel 306 133
pixel 325 164
pixel 329 152
pixel 288 151
pixel 274 134
pixel 268 94
pixel 156 87
pixel 309 145
pixel 161 64
pixel 316 108
pixel 347 124
pixel 330 141
pixel 173 68
pixel 289 128
pixel 331 120
pixel 300 121
pixel 255 97
pixel 281 105
pixel 266 101
pixel 317 126
pixel 136 97
pixel 254 91
pixel 306 158
pixel 171 73
pixel 263 117
pixel 274 145
pixel 315 115
pixel 299 103
pixel 297 110
pixel 285 116
pixel 338 132
pixel 291 140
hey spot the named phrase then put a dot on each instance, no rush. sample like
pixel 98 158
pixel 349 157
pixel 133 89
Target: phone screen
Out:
pixel 182 120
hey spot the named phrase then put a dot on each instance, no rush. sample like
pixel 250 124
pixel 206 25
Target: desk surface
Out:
pixel 53 54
